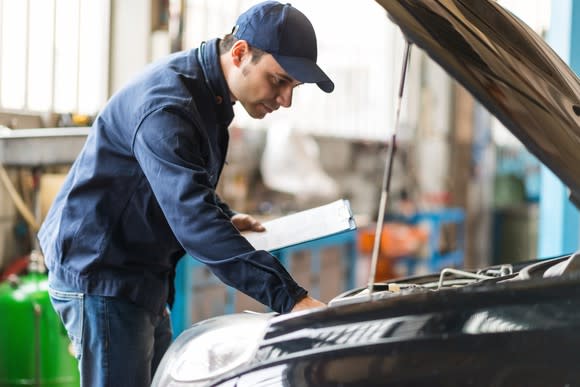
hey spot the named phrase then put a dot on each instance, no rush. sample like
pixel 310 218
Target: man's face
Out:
pixel 262 87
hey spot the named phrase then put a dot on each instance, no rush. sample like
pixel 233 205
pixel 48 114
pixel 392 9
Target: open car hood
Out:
pixel 509 68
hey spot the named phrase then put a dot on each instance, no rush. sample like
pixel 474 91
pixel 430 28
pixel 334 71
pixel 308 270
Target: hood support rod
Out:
pixel 387 174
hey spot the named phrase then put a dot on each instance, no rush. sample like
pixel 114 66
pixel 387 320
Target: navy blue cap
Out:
pixel 283 31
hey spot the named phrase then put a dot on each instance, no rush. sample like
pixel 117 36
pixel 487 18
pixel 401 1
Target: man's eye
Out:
pixel 277 81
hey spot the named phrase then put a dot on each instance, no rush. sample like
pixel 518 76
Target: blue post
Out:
pixel 559 221
pixel 179 313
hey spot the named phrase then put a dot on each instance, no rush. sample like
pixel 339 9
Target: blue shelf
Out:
pixel 436 220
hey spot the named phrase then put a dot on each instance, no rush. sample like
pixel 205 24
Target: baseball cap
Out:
pixel 286 33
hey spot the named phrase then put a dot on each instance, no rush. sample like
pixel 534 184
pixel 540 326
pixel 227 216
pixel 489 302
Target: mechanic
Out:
pixel 141 194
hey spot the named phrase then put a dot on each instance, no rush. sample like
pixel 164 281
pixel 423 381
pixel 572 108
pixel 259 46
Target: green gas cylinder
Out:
pixel 34 347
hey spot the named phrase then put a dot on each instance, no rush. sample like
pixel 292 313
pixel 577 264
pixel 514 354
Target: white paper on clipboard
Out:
pixel 304 226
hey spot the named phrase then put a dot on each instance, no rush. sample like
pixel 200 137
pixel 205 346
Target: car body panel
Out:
pixel 504 334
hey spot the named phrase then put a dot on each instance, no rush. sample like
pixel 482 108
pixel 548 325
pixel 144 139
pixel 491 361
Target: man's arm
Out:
pixel 245 222
pixel 170 155
pixel 224 206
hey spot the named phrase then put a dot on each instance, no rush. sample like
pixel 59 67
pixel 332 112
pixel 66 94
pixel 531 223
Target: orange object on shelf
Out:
pixel 398 240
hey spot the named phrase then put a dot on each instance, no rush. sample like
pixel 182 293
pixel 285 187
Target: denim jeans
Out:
pixel 116 342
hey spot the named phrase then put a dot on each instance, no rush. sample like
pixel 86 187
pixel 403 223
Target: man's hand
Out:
pixel 307 303
pixel 245 222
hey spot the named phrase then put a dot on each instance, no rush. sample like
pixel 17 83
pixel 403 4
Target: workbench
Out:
pixel 44 146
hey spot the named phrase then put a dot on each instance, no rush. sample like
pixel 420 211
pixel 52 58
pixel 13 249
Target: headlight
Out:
pixel 210 349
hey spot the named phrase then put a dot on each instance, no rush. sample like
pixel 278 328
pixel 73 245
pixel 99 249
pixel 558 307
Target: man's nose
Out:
pixel 285 97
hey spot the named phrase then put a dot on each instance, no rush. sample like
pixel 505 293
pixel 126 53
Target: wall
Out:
pixel 130 40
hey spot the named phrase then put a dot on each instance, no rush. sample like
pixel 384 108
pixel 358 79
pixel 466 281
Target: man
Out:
pixel 141 194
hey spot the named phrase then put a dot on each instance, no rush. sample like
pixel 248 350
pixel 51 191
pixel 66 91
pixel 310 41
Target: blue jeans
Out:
pixel 116 342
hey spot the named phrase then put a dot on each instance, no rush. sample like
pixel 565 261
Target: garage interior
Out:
pixel 464 192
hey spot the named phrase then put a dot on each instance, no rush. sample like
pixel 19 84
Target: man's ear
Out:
pixel 240 50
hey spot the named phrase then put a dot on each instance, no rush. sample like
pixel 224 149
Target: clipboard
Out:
pixel 303 226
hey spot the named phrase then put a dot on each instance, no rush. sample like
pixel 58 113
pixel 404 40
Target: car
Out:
pixel 501 326
pixel 504 325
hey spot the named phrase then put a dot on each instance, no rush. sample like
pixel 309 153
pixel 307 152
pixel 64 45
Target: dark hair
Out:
pixel 228 41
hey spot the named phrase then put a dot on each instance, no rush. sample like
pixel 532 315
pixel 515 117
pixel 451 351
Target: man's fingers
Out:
pixel 245 222
pixel 257 226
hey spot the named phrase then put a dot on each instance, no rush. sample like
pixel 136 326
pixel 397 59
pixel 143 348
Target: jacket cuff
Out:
pixel 291 299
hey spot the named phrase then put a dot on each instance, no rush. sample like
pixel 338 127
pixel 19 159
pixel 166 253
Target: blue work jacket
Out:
pixel 141 193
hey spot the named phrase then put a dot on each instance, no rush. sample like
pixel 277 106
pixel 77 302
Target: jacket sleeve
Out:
pixel 171 151
pixel 224 206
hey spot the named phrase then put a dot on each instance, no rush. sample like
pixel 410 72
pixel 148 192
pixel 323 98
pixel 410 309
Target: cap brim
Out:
pixel 305 70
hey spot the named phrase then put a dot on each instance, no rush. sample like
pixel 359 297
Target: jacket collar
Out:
pixel 208 55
